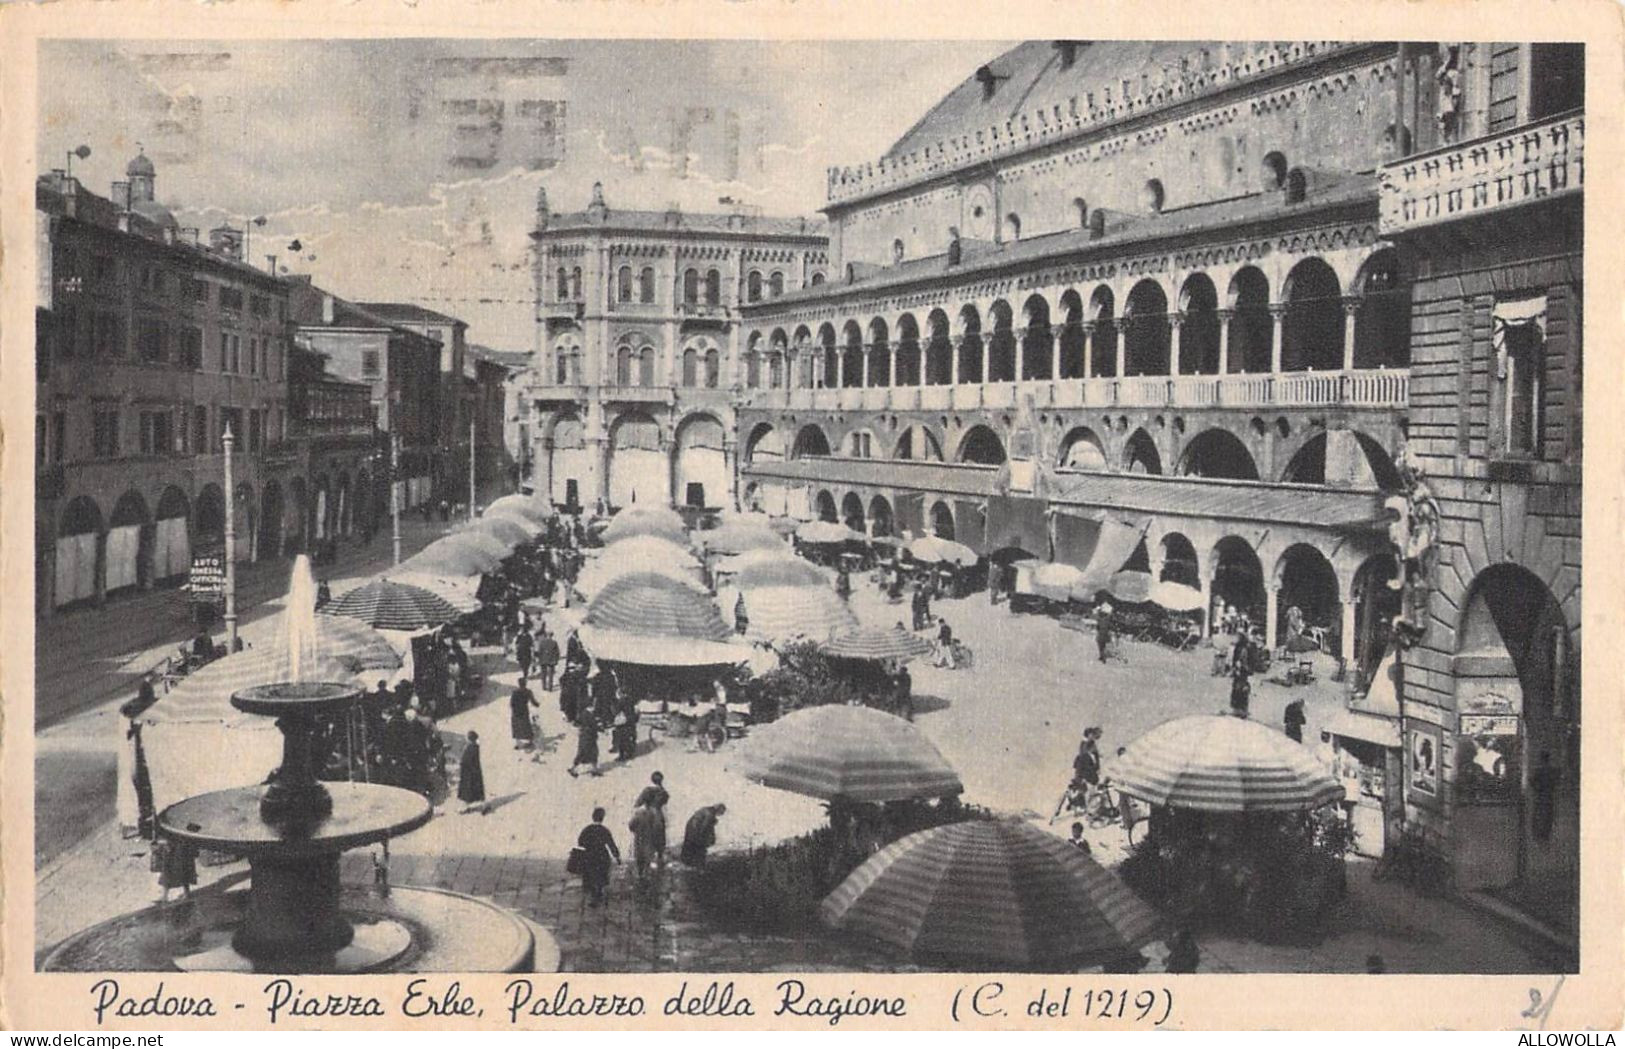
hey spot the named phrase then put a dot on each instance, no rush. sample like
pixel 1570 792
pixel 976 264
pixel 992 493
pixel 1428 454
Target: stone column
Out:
pixel 1345 643
pixel 1351 308
pixel 919 363
pixel 863 375
pixel 891 367
pixel 840 367
pixel 1204 581
pixel 1277 326
pixel 1089 349
pixel 1054 357
pixel 1272 613
pixel 1225 317
pixel 1121 344
pixel 1175 322
pixel 954 346
pixel 987 356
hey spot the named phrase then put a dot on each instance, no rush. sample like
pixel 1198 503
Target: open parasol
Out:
pixel 995 894
pixel 509 530
pixel 772 568
pixel 822 533
pixel 646 604
pixel 386 605
pixel 935 549
pixel 1176 597
pixel 1056 581
pixel 663 522
pixel 738 536
pixel 620 647
pixel 876 644
pixel 1222 763
pixel 850 752
pixel 782 613
pixel 531 509
pixel 643 553
pixel 448 560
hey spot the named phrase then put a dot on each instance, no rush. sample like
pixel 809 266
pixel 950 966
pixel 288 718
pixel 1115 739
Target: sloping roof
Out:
pixel 1329 191
pixel 511 359
pixel 697 222
pixel 408 313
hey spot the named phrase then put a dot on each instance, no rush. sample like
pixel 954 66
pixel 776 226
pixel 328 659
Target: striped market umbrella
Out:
pixel 531 509
pixel 663 522
pixel 449 560
pixel 782 613
pixel 508 530
pixel 646 604
pixel 851 752
pixel 642 650
pixel 458 591
pixel 643 553
pixel 822 533
pixel 386 605
pixel 736 537
pixel 936 549
pixel 876 644
pixel 1222 763
pixel 994 894
pixel 760 568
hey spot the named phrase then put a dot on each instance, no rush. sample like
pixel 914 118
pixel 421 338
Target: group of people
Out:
pixel 596 852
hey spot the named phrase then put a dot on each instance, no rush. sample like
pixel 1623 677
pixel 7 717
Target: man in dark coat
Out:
pixel 471 776
pixel 519 704
pixel 598 851
pixel 1294 720
pixel 546 657
pixel 700 834
pixel 741 616
pixel 524 648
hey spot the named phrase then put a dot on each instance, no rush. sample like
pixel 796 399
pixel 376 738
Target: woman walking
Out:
pixel 598 851
pixel 586 743
pixel 471 777
pixel 519 704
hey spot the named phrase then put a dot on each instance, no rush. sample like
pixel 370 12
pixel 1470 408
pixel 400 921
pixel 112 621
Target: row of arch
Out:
pixel 697 287
pixel 1314 325
pixel 141 543
pixel 643 462
pixel 1211 453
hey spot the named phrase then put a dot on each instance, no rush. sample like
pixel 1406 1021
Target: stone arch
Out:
pixel 981 445
pixel 1179 560
pixel 1252 330
pixel 245 510
pixel 1140 454
pixel 296 521
pixel 970 345
pixel 272 511
pixel 1312 328
pixel 879 353
pixel 1199 331
pixel 570 465
pixel 942 519
pixel 1217 453
pixel 810 440
pixel 824 504
pixel 567 358
pixel 78 553
pixel 1036 340
pixel 826 347
pixel 765 444
pixel 1382 322
pixel 1074 343
pixel 1103 345
pixel 851 354
pixel 918 443
pixel 1238 577
pixel 1343 458
pixel 209 520
pixel 1376 604
pixel 699 462
pixel 1082 449
pixel 852 514
pixel 939 351
pixel 638 469
pixel 127 558
pixel 172 541
pixel 1307 581
pixel 1001 347
pixel 1147 335
pixel 880 516
pixel 908 351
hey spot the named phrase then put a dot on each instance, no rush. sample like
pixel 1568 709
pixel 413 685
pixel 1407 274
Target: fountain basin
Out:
pixel 229 821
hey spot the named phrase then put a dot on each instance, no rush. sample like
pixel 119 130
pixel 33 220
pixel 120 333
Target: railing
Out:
pixel 1244 391
pixel 1534 162
pixel 1142 392
pixel 936 398
pixel 1194 391
pixel 1308 388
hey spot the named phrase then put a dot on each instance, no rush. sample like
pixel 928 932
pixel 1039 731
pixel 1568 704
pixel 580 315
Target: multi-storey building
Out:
pixel 1487 213
pixel 333 426
pixel 402 369
pixel 486 391
pixel 449 467
pixel 1120 304
pixel 150 346
pixel 638 349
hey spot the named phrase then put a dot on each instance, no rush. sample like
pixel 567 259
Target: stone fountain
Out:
pixel 295 916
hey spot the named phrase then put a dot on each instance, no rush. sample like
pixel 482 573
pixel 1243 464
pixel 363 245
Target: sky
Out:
pixel 407 170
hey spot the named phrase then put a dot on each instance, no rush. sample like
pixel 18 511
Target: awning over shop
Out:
pixel 908 514
pixel 1119 535
pixel 1020 522
pixel 1370 728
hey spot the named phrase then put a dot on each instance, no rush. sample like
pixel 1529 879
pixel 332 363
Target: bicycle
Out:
pixel 1106 805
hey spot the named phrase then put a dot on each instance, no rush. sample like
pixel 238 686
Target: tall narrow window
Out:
pixel 646 285
pixel 1518 332
pixel 775 285
pixel 691 286
pixel 562 289
pixel 713 288
pixel 623 284
pixel 753 287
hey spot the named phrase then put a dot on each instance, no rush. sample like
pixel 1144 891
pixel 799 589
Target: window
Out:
pixel 225 352
pixel 236 355
pixel 253 356
pixel 59 436
pixel 817 279
pixel 691 367
pixel 1081 208
pixel 753 287
pixel 231 299
pixel 713 368
pixel 256 429
pixel 775 285
pixel 109 335
pixel 1518 332
pixel 104 433
pixel 646 285
pixel 149 339
pixel 691 286
pixel 623 284
pixel 259 306
pixel 67 332
pixel 713 288
pixel 200 430
pixel 623 366
pixel 562 291
pixel 157 433
pixel 575 284
pixel 1012 224
pixel 1152 196
pixel 200 290
pixel 369 364
pixel 1557 77
pixel 192 347
pixel 231 419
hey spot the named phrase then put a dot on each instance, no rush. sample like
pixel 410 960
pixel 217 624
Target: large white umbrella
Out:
pixel 1222 763
pixel 643 553
pixel 850 752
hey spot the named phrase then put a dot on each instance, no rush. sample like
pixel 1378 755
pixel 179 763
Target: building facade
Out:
pixel 150 347
pixel 638 348
pixel 333 427
pixel 1488 216
pixel 449 466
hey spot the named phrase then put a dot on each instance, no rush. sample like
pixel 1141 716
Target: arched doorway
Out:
pixel 1037 340
pixel 908 351
pixel 271 512
pixel 1238 578
pixel 1307 583
pixel 1252 330
pixel 638 470
pixel 1147 336
pixel 939 351
pixel 1218 453
pixel 942 520
pixel 210 524
pixel 1199 332
pixel 1376 604
pixel 970 345
pixel 569 463
pixel 852 355
pixel 128 549
pixel 1103 345
pixel 764 445
pixel 852 512
pixel 1074 343
pixel 824 503
pixel 981 445
pixel 78 553
pixel 699 465
pixel 1179 562
pixel 1140 455
pixel 1312 329
pixel 1001 347
pixel 879 354
pixel 171 545
pixel 1382 323
pixel 810 440
pixel 880 515
pixel 1517 757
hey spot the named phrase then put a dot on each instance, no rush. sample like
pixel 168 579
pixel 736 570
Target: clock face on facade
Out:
pixel 979 213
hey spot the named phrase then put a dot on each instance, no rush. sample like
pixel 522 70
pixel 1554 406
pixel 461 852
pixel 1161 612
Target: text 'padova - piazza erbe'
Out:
pixel 1099 507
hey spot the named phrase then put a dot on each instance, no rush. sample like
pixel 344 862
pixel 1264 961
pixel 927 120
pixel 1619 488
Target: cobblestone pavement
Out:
pixel 1034 687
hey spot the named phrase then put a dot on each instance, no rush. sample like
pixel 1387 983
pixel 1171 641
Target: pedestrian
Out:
pixel 903 691
pixel 945 646
pixel 624 734
pixel 176 863
pixel 655 793
pixel 701 833
pixel 843 584
pixel 648 827
pixel 546 656
pixel 1183 954
pixel 323 594
pixel 1103 630
pixel 471 776
pixel 597 852
pixel 524 648
pixel 1077 840
pixel 605 696
pixel 917 606
pixel 741 616
pixel 519 704
pixel 586 743
pixel 1294 720
pixel 1241 690
pixel 575 653
pixel 572 692
pixel 1086 766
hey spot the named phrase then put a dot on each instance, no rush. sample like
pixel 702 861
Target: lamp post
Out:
pixel 227 442
pixel 471 491
pixel 395 493
pixel 81 152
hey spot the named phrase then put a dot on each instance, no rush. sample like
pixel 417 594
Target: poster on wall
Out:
pixel 1423 756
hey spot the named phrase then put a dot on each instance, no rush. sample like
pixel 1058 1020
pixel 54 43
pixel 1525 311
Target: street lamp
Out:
pixel 227 443
pixel 81 152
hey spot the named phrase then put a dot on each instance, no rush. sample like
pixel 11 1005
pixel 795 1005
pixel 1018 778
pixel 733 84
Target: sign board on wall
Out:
pixel 207 578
